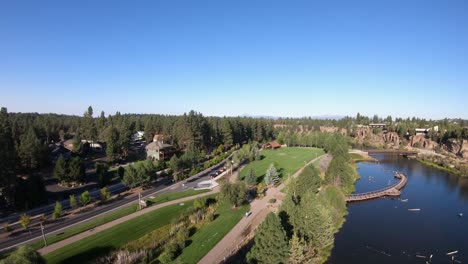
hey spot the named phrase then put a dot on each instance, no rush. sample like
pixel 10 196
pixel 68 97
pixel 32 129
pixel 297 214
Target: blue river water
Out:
pixel 385 231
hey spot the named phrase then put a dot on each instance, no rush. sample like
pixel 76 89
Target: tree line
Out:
pixel 26 141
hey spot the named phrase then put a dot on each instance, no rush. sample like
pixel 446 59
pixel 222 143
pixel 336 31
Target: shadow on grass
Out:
pixel 88 256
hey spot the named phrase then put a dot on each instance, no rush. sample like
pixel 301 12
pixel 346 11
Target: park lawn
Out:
pixel 162 198
pixel 287 161
pixel 51 239
pixel 210 234
pixel 166 197
pixel 103 243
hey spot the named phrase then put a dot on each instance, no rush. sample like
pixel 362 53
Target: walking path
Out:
pixel 259 210
pixel 70 240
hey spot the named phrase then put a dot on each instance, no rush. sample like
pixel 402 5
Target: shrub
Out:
pixel 272 201
pixel 85 198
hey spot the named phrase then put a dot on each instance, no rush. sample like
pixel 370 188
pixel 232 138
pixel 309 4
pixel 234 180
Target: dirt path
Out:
pixel 260 209
pixel 98 229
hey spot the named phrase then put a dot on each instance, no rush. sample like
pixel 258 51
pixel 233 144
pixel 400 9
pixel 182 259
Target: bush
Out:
pixel 272 201
pixel 105 194
pixel 85 198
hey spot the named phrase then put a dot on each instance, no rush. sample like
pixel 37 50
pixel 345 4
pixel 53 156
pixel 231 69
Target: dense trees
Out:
pixel 76 170
pixel 61 169
pixel 271 242
pixel 313 209
pixel 234 193
pixel 7 160
pixel 139 174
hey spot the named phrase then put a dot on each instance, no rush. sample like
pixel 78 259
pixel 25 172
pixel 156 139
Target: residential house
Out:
pixel 158 150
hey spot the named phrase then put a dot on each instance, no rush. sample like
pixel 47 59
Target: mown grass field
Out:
pixel 51 239
pixel 166 197
pixel 287 161
pixel 209 235
pixel 102 243
pixel 162 198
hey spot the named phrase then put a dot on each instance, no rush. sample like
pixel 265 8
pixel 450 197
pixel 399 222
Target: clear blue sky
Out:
pixel 279 58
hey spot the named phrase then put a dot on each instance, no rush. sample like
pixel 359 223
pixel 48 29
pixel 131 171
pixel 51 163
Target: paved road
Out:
pixel 162 186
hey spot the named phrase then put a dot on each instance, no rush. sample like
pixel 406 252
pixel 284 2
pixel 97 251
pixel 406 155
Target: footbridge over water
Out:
pixel 393 190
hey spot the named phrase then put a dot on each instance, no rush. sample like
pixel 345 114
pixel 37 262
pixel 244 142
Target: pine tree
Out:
pixel 270 243
pixel 77 145
pixel 60 170
pixel 251 179
pixel 7 160
pixel 29 150
pixel 77 170
pixel 271 176
pixel 112 144
pixel 297 250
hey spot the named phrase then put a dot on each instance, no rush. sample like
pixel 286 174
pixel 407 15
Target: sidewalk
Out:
pixel 70 240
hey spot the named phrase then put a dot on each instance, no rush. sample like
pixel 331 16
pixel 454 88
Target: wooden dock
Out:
pixel 393 190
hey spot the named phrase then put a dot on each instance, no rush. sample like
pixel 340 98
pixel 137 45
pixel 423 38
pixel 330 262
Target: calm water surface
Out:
pixel 384 231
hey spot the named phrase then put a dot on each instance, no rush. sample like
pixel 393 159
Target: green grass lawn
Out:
pixel 51 239
pixel 162 198
pixel 286 160
pixel 166 197
pixel 210 234
pixel 102 243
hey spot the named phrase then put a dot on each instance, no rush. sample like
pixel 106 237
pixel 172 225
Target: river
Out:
pixel 384 231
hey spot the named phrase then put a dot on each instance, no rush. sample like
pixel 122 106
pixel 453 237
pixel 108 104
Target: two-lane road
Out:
pixel 163 185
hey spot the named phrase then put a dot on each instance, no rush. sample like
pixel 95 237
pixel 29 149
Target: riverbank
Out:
pixel 444 164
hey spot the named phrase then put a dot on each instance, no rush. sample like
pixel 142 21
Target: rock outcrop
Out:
pixel 420 141
pixel 457 147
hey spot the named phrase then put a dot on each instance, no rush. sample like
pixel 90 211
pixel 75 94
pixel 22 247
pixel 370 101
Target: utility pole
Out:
pixel 43 235
pixel 139 200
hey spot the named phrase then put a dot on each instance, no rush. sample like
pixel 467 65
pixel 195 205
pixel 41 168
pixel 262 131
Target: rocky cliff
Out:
pixel 457 147
pixel 453 147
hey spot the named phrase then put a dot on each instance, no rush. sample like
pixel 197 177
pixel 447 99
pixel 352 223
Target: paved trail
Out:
pixel 259 208
pixel 98 229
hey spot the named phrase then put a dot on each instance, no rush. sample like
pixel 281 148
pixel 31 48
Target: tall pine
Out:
pixel 271 243
pixel 61 170
pixel 271 176
pixel 7 160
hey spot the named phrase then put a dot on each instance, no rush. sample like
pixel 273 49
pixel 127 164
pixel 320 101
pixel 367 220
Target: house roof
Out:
pixel 157 145
pixel 274 144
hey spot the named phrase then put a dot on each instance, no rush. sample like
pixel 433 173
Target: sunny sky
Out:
pixel 276 58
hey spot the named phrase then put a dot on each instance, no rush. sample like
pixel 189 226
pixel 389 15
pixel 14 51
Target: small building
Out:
pixel 158 150
pixel 425 131
pixel 272 145
pixel 377 125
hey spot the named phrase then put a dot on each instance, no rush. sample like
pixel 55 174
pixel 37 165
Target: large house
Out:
pixel 158 150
